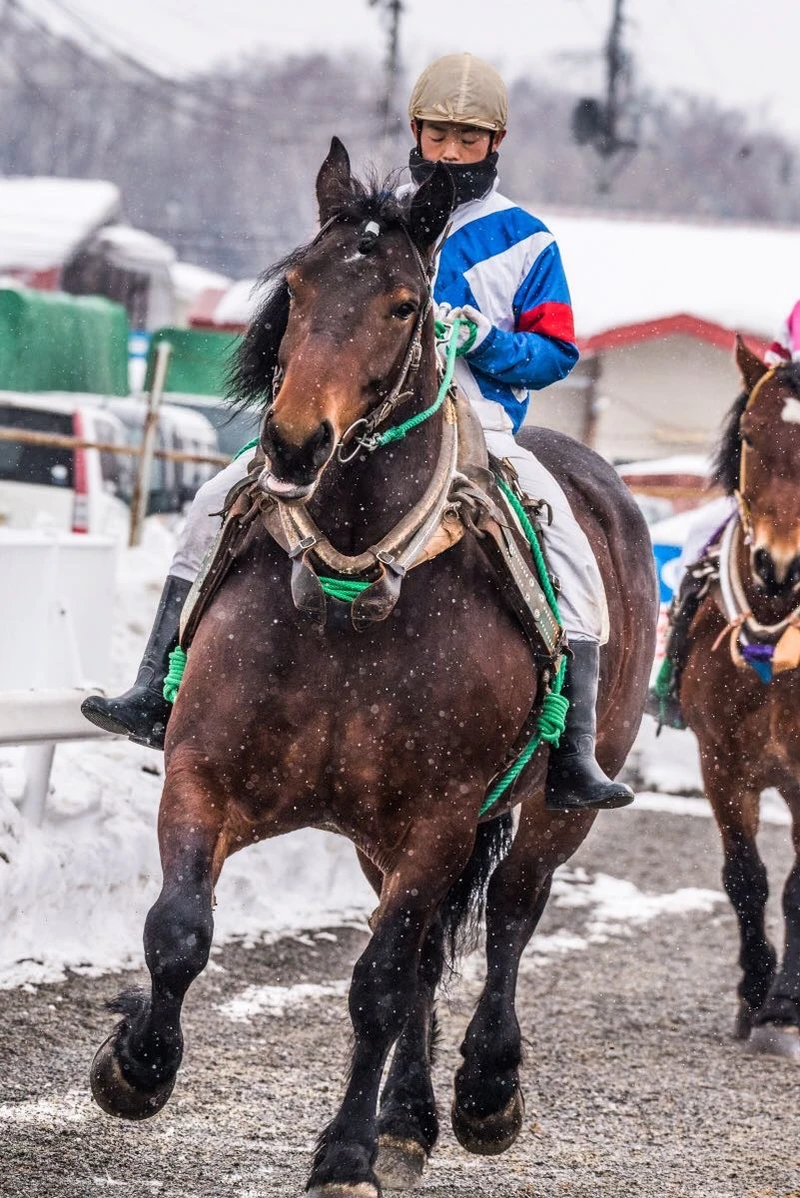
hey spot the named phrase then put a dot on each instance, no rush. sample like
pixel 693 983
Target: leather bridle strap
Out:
pixel 402 542
pixel 741 498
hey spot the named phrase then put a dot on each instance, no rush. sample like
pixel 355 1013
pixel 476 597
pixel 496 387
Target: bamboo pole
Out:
pixel 141 487
pixel 24 436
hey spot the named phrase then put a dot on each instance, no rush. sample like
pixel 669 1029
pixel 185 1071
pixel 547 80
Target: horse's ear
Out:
pixel 750 365
pixel 431 208
pixel 333 180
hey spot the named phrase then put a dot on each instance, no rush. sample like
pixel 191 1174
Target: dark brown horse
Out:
pixel 740 686
pixel 388 736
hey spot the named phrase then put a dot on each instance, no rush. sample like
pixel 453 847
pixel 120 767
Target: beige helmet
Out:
pixel 463 90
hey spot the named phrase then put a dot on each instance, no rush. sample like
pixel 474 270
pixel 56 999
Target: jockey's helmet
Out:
pixel 460 89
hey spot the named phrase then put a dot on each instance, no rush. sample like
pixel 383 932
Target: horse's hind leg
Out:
pixel 134 1071
pixel 744 876
pixel 488 1107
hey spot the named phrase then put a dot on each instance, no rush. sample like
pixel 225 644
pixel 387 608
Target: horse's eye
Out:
pixel 403 311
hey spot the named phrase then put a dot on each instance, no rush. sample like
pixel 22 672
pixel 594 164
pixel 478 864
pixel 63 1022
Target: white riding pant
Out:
pixel 203 519
pixel 582 601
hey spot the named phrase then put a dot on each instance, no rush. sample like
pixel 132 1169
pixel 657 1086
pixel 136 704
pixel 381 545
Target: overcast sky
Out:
pixel 743 52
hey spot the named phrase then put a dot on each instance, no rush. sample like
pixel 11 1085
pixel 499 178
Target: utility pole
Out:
pixel 390 123
pixel 596 122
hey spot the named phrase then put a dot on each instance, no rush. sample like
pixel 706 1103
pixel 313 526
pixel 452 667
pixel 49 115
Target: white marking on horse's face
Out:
pixel 791 411
pixel 357 256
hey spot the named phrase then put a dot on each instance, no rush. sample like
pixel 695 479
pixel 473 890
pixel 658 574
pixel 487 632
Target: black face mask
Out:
pixel 471 181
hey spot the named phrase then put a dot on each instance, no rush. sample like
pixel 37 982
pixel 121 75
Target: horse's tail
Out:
pixel 463 907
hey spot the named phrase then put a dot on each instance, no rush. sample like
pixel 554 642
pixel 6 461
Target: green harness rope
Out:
pixel 177 665
pixel 552 717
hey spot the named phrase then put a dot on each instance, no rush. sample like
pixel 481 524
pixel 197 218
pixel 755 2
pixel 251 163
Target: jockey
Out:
pixel 662 701
pixel 500 269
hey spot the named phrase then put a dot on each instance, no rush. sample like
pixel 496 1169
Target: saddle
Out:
pixel 467 495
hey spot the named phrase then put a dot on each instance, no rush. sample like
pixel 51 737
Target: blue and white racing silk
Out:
pixel 505 262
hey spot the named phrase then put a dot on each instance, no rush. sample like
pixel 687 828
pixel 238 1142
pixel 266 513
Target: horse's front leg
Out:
pixel 134 1071
pixel 488 1106
pixel 744 876
pixel 777 1024
pixel 408 1123
pixel 384 994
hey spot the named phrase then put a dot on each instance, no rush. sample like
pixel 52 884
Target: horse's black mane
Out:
pixel 726 461
pixel 252 371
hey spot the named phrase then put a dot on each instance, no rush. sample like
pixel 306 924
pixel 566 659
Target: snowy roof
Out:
pixel 190 281
pixel 133 248
pixel 42 220
pixel 238 304
pixel 626 270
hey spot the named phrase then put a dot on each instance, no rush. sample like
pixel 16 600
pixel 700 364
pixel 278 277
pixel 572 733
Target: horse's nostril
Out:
pixel 763 566
pixel 321 444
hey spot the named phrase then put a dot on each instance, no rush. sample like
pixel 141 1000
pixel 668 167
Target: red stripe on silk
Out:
pixel 549 320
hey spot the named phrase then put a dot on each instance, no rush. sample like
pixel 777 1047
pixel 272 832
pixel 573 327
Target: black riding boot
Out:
pixel 575 781
pixel 142 712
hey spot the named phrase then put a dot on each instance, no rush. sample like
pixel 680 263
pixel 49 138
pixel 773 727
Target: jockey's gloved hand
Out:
pixel 474 329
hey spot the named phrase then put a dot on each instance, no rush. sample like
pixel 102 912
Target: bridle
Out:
pixel 360 435
pixel 740 494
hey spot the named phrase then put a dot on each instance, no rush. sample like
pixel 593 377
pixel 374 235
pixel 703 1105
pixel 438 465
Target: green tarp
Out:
pixel 199 361
pixel 50 341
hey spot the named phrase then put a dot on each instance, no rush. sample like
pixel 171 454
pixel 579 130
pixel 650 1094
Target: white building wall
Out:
pixel 656 398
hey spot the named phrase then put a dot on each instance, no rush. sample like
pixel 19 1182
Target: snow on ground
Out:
pixel 76 890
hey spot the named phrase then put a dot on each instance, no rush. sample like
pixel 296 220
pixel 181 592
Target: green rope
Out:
pixel 172 682
pixel 346 589
pixel 663 683
pixel 250 445
pixel 450 333
pixel 553 716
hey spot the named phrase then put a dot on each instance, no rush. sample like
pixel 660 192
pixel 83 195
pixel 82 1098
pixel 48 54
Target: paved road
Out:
pixel 633 1084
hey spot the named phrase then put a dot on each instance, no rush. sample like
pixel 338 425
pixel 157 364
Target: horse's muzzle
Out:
pixel 776 578
pixel 292 471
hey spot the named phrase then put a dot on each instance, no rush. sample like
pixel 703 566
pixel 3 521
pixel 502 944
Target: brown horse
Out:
pixel 740 686
pixel 388 736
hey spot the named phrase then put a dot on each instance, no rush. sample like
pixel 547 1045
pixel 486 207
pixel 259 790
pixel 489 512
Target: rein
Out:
pixel 366 439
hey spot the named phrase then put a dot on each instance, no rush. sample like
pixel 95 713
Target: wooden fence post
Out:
pixel 141 490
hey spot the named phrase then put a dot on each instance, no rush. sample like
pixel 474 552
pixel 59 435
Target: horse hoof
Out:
pixel 400 1164
pixel 492 1135
pixel 775 1040
pixel 115 1095
pixel 743 1023
pixel 341 1189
